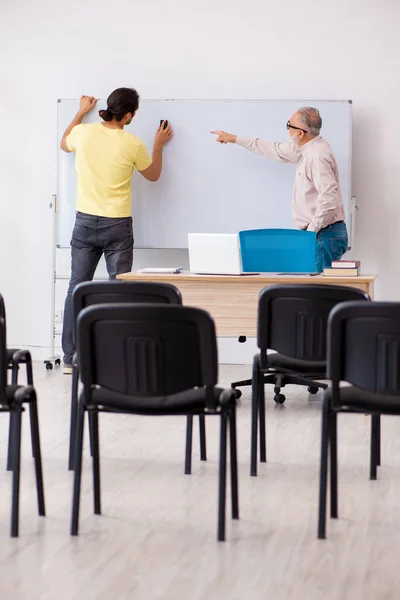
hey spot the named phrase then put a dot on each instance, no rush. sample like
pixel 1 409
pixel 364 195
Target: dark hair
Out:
pixel 119 103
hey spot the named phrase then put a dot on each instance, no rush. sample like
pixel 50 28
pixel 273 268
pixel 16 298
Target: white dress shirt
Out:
pixel 317 197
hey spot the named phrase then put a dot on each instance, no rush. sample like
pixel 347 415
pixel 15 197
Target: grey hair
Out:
pixel 311 118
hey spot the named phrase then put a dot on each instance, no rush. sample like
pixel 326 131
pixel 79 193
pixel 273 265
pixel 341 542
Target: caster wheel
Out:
pixel 312 390
pixel 279 398
pixel 238 394
pixel 49 367
pixel 57 362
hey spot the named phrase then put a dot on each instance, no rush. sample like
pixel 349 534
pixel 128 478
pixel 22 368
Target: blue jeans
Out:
pixel 92 236
pixel 332 243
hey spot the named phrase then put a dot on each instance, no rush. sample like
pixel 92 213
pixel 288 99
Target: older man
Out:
pixel 317 198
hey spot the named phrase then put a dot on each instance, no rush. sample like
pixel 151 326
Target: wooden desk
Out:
pixel 232 300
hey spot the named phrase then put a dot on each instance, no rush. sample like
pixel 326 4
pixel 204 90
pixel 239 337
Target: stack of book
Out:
pixel 343 268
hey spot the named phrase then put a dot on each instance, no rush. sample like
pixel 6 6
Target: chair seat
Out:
pixel 300 367
pixel 10 354
pixel 356 399
pixel 190 401
pixel 11 390
pixel 6 401
pixel 22 357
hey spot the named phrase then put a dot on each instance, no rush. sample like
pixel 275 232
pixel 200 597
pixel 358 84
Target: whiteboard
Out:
pixel 205 186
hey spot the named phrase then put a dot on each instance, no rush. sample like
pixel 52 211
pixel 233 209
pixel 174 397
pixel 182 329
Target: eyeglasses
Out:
pixel 289 126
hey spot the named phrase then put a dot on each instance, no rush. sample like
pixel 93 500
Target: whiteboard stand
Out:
pixel 352 228
pixel 53 360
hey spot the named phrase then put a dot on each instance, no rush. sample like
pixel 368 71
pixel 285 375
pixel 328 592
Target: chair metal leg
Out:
pixel 32 426
pixel 234 468
pixel 254 415
pixel 94 418
pixel 37 456
pixel 78 469
pixel 189 439
pixel 29 373
pixel 378 442
pixel 14 373
pixel 16 468
pixel 323 474
pixel 72 426
pixel 91 438
pixel 202 431
pixel 222 478
pixel 374 447
pixel 14 381
pixel 334 465
pixel 243 383
pixel 10 445
pixel 29 381
pixel 305 381
pixel 261 406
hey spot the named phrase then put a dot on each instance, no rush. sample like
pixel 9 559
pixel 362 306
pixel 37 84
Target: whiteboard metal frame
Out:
pixel 353 206
pixel 352 210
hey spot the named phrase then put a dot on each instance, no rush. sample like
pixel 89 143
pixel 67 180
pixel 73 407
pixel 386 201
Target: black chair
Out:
pixel 12 399
pixel 105 292
pixel 292 320
pixel 364 351
pixel 15 358
pixel 174 353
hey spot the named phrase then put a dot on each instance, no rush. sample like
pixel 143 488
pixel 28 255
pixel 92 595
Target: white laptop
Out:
pixel 215 254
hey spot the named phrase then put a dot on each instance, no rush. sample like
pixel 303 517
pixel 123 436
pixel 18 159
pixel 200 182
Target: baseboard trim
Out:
pixel 230 351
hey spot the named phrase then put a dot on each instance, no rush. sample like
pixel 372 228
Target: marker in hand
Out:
pixel 163 133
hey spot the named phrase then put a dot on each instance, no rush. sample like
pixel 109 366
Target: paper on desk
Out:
pixel 296 274
pixel 161 270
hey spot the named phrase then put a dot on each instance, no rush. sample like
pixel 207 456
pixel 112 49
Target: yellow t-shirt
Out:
pixel 105 161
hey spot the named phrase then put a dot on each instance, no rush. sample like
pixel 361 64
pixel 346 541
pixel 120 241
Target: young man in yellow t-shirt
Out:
pixel 106 156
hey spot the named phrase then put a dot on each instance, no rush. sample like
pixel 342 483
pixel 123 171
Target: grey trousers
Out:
pixel 91 238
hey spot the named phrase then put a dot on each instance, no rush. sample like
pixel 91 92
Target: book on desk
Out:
pixel 343 268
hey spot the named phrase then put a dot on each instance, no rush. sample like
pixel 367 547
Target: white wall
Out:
pixel 180 49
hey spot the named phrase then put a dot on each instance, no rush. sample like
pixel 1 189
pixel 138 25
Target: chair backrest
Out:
pixel 3 362
pixel 364 346
pixel 3 341
pixel 2 308
pixel 146 349
pixel 293 319
pixel 278 250
pixel 106 292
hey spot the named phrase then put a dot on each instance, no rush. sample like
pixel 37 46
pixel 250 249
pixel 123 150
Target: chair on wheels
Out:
pixel 12 400
pixel 173 352
pixel 103 292
pixel 15 358
pixel 278 250
pixel 274 251
pixel 363 351
pixel 292 321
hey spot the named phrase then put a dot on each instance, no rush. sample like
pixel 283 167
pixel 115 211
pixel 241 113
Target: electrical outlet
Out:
pixel 58 316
